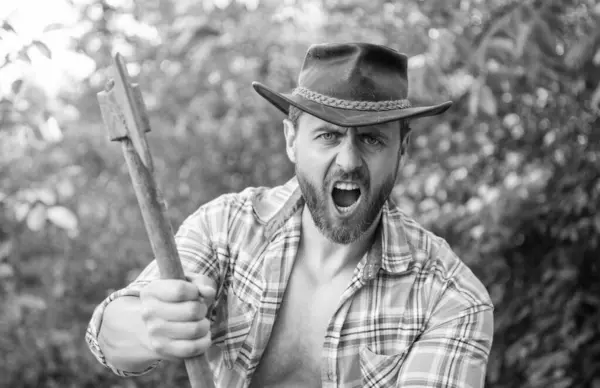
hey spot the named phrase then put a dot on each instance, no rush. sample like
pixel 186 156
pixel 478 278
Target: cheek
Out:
pixel 384 168
pixel 310 160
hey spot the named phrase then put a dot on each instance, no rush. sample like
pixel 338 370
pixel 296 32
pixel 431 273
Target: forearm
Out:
pixel 123 337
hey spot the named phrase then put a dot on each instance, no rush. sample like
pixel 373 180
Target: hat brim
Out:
pixel 345 117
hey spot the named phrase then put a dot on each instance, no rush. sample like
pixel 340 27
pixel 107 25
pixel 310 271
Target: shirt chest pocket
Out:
pixel 380 370
pixel 381 358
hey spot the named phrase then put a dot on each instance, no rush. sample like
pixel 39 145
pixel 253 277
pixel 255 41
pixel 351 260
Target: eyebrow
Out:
pixel 377 132
pixel 327 127
pixel 370 131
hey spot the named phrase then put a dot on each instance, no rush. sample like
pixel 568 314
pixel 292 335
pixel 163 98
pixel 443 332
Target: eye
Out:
pixel 371 140
pixel 328 136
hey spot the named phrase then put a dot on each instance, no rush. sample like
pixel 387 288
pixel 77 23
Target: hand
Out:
pixel 174 312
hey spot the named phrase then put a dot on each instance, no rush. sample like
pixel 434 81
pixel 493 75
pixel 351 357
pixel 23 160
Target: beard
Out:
pixel 319 202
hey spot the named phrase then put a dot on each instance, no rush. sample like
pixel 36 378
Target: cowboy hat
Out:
pixel 352 85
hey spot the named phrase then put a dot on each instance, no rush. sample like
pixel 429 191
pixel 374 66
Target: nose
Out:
pixel 348 157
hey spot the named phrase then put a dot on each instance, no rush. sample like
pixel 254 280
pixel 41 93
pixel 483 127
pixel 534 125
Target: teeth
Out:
pixel 348 209
pixel 346 186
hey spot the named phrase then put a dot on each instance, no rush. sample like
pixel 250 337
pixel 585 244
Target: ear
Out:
pixel 405 132
pixel 405 143
pixel 403 151
pixel 290 139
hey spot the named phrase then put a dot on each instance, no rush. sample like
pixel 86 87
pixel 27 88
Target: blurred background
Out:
pixel 509 176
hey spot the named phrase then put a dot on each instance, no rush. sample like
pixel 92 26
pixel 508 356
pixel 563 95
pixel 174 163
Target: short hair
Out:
pixel 294 114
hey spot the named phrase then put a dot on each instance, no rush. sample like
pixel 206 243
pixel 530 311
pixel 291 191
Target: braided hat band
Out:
pixel 350 104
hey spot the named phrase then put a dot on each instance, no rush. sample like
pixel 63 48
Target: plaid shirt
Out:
pixel 414 315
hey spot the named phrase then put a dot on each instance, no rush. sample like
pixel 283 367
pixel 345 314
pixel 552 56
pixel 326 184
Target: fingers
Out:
pixel 177 349
pixel 178 330
pixel 176 290
pixel 171 290
pixel 206 286
pixel 174 312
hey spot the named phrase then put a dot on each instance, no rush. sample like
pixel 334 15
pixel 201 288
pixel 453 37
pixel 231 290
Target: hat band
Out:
pixel 351 104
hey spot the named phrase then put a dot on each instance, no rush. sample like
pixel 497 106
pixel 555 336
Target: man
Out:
pixel 321 282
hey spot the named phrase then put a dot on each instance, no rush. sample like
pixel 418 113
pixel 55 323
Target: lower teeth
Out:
pixel 344 208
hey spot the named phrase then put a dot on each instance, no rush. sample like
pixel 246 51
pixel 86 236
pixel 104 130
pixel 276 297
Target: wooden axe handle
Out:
pixel 126 120
pixel 163 245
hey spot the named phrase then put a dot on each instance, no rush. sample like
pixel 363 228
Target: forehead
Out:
pixel 309 123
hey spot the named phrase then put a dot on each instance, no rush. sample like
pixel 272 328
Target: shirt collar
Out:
pixel 391 250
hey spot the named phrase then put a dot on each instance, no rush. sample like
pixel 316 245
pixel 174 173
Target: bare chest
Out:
pixel 293 354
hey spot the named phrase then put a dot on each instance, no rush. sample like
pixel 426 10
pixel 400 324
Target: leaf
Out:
pixel 580 52
pixel 21 211
pixel 459 83
pixel 60 337
pixel 16 86
pixel 43 48
pixel 474 97
pixel 47 196
pixel 31 302
pixel 5 248
pixel 65 189
pixel 205 31
pixel 544 37
pixel 522 38
pixel 53 27
pixel 24 56
pixel 8 27
pixel 6 271
pixel 63 218
pixel 595 100
pixel 487 101
pixel 503 44
pixel 36 218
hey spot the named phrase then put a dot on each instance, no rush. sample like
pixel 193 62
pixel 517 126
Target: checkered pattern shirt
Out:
pixel 413 315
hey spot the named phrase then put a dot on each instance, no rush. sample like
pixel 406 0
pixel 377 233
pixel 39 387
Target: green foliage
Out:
pixel 509 176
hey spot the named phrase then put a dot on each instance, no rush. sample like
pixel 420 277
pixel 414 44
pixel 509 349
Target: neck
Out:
pixel 328 256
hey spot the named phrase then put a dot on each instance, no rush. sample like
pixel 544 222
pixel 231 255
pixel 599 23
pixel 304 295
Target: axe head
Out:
pixel 112 112
pixel 124 112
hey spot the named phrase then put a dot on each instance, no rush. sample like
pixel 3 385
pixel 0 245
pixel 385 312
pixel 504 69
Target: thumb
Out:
pixel 207 287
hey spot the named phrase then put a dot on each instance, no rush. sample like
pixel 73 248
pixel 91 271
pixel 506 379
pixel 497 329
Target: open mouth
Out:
pixel 346 196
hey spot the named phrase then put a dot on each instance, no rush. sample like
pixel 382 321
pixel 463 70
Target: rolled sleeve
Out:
pixel 196 254
pixel 453 350
pixel 93 329
pixel 452 354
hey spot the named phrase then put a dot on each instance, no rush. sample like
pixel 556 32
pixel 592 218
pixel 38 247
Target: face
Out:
pixel 345 174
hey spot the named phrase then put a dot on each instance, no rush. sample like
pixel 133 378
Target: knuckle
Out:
pixel 178 291
pixel 198 310
pixel 159 346
pixel 201 328
pixel 205 323
pixel 203 344
pixel 154 328
pixel 193 348
pixel 147 309
pixel 145 313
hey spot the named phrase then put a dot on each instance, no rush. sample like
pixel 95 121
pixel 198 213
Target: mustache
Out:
pixel 359 175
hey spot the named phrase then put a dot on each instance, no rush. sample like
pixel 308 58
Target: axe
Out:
pixel 126 120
